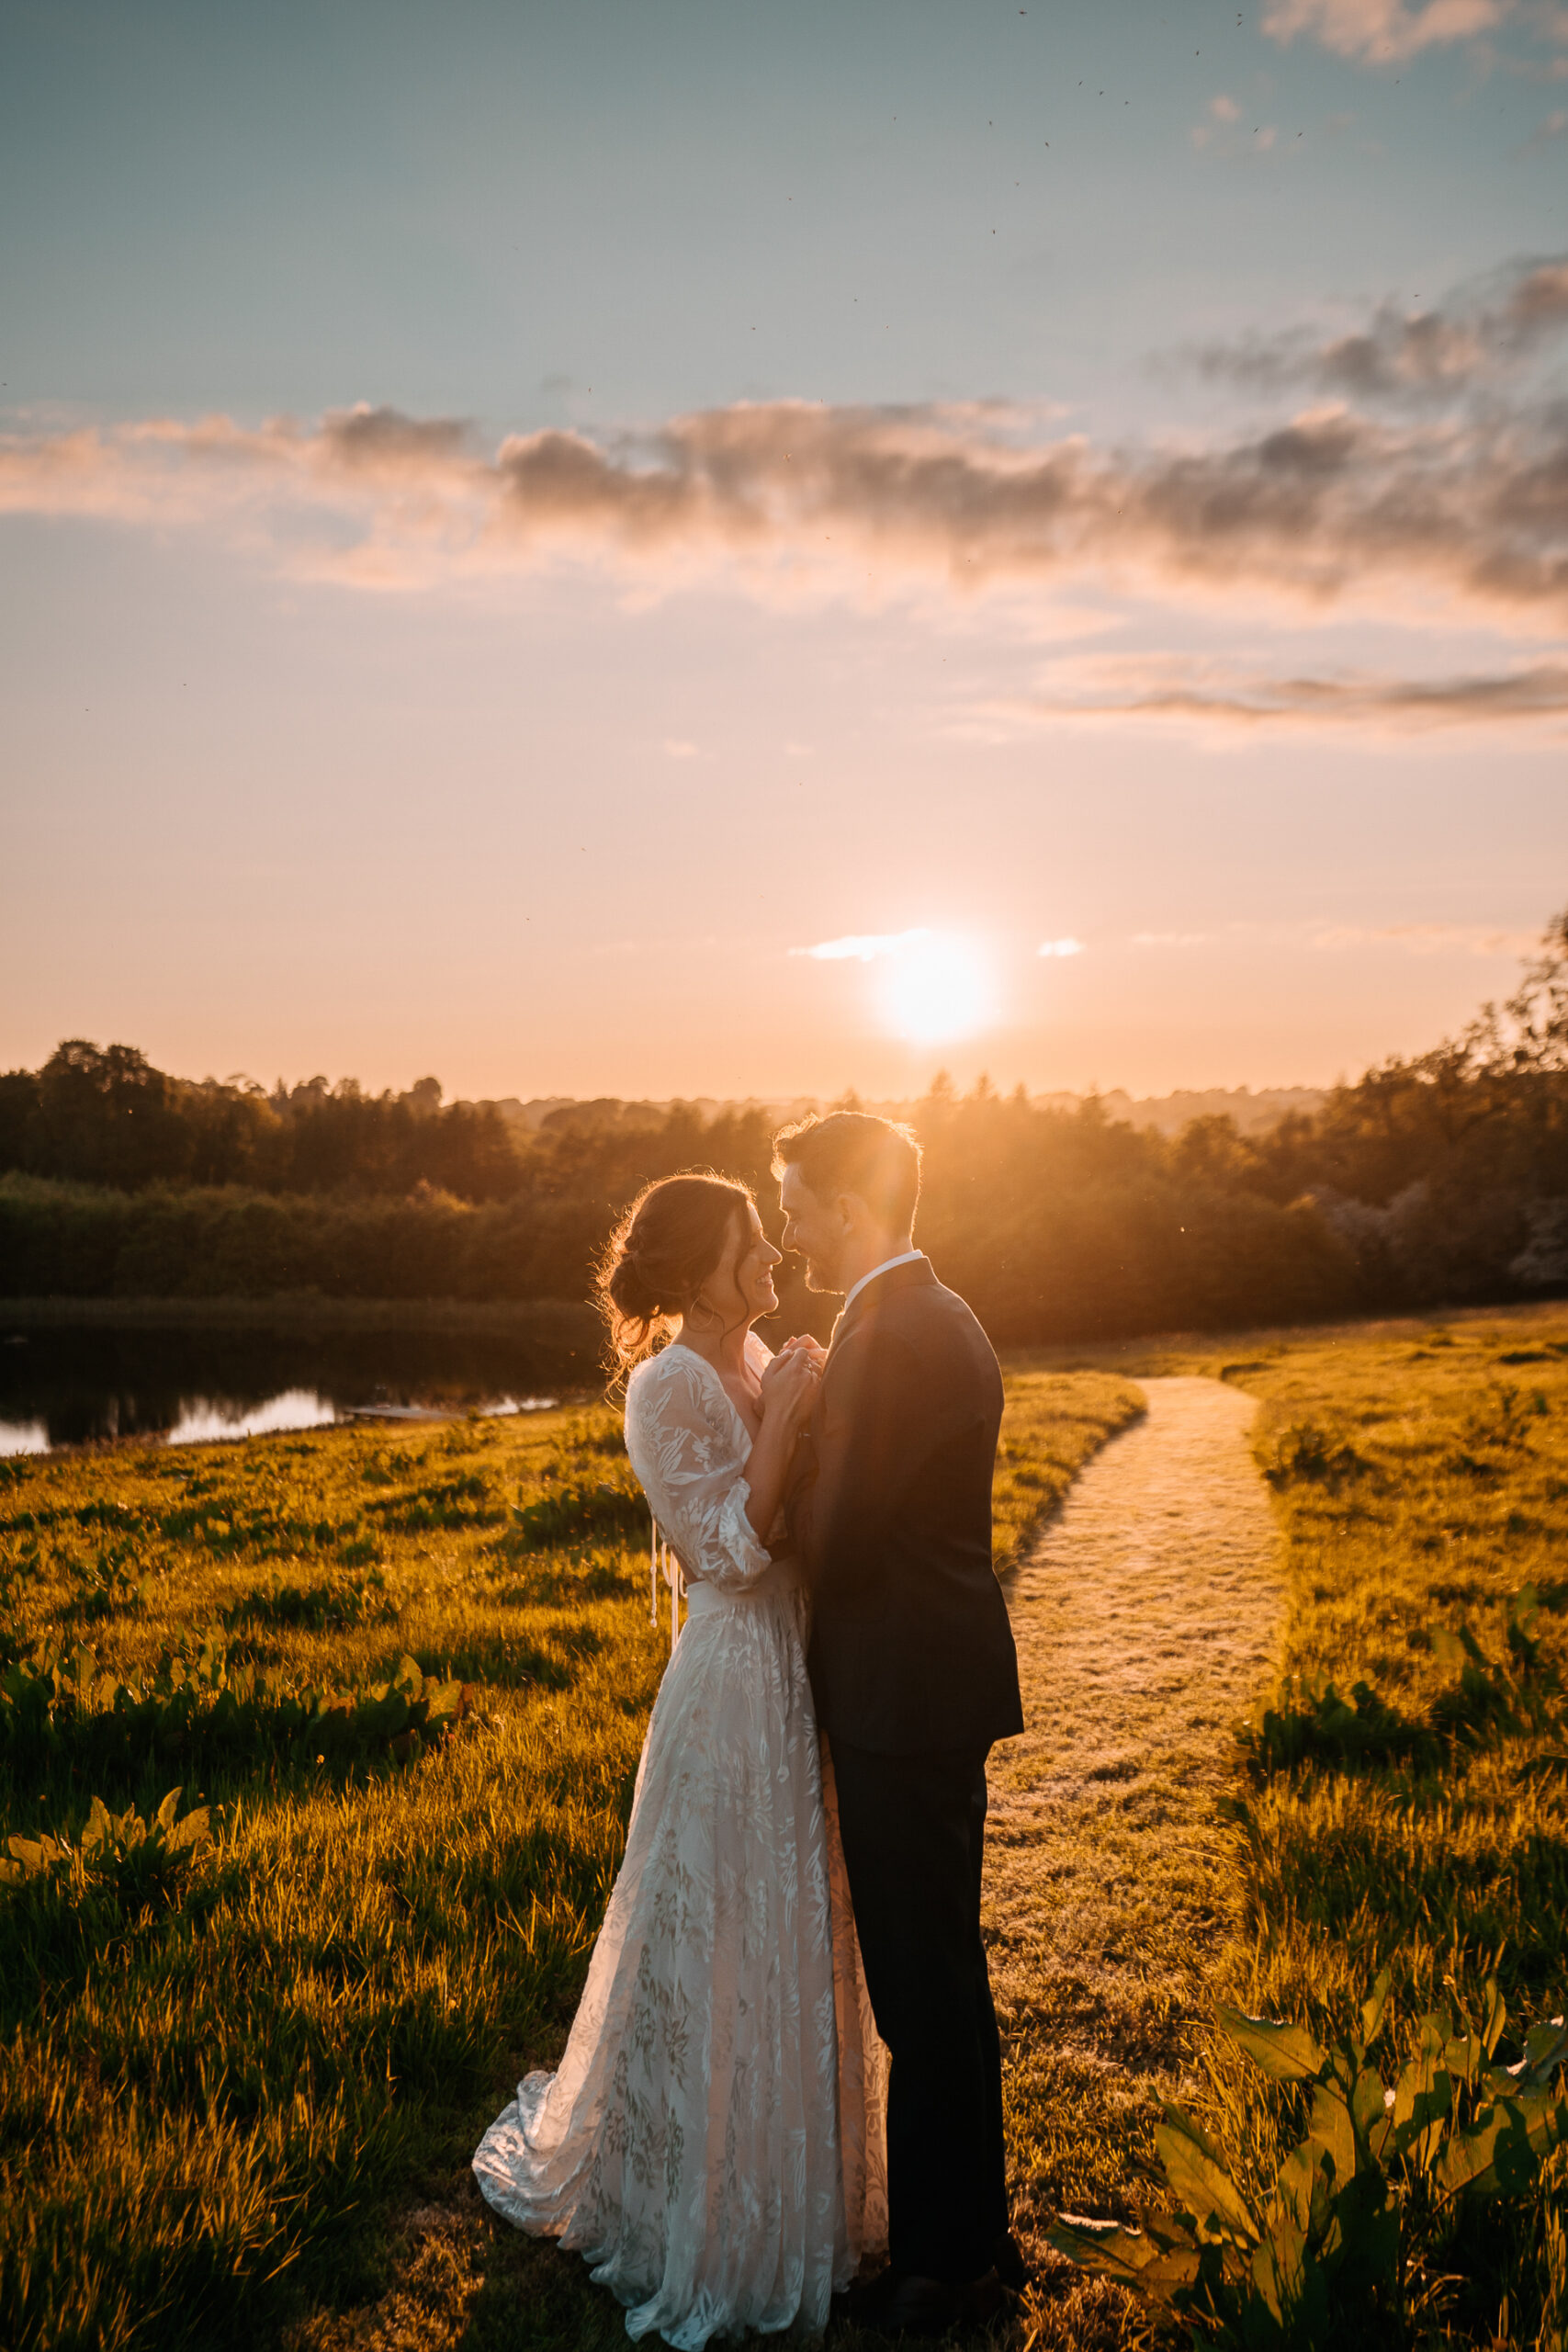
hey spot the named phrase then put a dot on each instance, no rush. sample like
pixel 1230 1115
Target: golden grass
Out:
pixel 1420 1470
pixel 1419 1475
pixel 249 2114
pixel 241 2110
pixel 1450 1497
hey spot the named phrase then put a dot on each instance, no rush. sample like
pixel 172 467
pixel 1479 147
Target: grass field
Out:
pixel 1400 1801
pixel 1421 1473
pixel 400 1684
pixel 240 2081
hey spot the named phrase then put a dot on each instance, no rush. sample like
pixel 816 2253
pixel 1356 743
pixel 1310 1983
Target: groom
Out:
pixel 914 1674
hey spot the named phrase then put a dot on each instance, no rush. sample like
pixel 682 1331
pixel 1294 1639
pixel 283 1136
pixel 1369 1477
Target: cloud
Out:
pixel 395 481
pixel 1486 331
pixel 1383 31
pixel 1219 134
pixel 1326 504
pixel 1060 947
pixel 1412 938
pixel 676 749
pixel 864 947
pixel 1431 938
pixel 1182 688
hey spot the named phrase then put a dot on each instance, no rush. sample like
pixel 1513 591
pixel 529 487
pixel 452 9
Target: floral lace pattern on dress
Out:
pixel 713 2141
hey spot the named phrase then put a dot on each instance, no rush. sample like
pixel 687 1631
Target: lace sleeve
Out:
pixel 685 1450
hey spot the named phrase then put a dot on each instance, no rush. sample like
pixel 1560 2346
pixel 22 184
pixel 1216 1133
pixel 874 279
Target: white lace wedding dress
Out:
pixel 713 2142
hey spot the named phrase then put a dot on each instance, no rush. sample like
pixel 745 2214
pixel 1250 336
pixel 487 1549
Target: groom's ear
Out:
pixel 851 1209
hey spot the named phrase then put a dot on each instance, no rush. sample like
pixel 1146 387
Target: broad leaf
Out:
pixel 1293 2287
pixel 1287 2052
pixel 1369 2110
pixel 1199 2180
pixel 1546 2047
pixel 1423 2095
pixel 1331 2129
pixel 1372 2008
pixel 1108 2249
pixel 1465 2056
pixel 1503 2150
pixel 1298 2177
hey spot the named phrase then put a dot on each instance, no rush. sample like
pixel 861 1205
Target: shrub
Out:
pixel 1313 1725
pixel 575 1514
pixel 329 1608
pixel 1305 1454
pixel 1348 2242
pixel 202 1706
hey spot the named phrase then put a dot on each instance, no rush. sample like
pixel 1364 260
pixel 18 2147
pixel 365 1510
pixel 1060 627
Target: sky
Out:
pixel 656 548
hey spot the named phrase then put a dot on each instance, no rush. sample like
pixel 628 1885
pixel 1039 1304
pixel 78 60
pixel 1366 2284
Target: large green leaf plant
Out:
pixel 1342 2250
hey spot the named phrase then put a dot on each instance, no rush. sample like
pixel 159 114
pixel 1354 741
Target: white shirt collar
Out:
pixel 905 1258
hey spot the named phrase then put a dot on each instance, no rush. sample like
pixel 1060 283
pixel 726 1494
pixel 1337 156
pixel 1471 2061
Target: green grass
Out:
pixel 237 2096
pixel 1422 1483
pixel 1421 1480
pixel 237 2099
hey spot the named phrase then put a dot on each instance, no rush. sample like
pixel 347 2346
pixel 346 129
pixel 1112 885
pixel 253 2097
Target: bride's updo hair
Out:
pixel 660 1254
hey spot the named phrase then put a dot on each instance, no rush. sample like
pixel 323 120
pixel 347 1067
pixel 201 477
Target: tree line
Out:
pixel 1439 1178
pixel 95 1115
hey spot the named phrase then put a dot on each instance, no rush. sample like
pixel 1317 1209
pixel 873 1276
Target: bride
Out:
pixel 713 2142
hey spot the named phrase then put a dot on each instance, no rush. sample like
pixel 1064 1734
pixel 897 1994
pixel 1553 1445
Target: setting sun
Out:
pixel 936 989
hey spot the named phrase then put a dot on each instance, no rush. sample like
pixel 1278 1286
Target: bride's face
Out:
pixel 741 1284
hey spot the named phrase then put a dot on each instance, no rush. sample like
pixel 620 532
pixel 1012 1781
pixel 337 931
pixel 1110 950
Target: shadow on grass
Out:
pixel 459 2279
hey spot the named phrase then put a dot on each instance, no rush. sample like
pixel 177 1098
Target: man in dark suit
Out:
pixel 914 1674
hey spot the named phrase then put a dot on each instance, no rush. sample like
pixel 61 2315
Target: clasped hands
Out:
pixel 790 1383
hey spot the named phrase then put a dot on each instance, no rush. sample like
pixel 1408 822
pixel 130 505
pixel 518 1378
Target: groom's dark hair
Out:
pixel 852 1151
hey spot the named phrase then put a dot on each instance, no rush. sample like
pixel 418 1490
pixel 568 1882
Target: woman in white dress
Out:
pixel 713 2141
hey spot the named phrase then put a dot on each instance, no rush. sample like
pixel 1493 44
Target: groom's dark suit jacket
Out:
pixel 911 1649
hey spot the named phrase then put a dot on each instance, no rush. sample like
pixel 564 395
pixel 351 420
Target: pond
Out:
pixel 69 1386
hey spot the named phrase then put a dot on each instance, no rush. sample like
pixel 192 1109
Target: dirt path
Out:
pixel 1146 1619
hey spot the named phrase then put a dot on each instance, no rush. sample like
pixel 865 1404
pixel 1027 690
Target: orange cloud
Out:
pixel 1319 507
pixel 1384 31
pixel 1330 938
pixel 1312 507
pixel 1485 332
pixel 1458 503
pixel 1213 694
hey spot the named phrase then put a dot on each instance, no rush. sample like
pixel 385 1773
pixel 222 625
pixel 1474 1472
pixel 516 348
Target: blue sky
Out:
pixel 367 749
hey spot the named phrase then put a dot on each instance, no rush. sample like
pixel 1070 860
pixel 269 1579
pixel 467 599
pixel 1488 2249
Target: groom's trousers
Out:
pixel 913 1828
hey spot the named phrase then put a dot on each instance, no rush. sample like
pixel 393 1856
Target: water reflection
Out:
pixel 295 1409
pixel 64 1387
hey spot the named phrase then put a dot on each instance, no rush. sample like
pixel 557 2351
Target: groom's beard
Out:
pixel 822 1278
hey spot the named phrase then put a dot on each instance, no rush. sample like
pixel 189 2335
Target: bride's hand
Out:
pixel 789 1387
pixel 804 1344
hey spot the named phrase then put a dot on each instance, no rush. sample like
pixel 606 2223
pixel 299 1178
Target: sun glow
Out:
pixel 935 988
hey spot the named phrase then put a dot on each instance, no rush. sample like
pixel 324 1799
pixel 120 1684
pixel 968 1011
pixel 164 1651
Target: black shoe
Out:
pixel 1008 2262
pixel 868 2298
pixel 988 2299
pixel 928 2307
